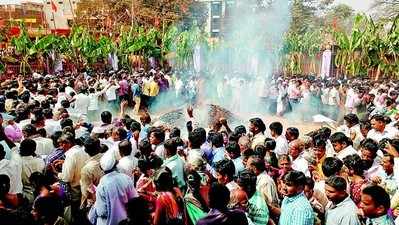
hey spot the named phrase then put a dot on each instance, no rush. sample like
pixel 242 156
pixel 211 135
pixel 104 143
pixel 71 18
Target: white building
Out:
pixel 60 15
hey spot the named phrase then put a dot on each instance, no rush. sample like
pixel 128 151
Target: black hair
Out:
pixel 66 123
pixel 276 127
pixel 29 129
pixel 2 152
pixel 233 148
pixel 219 196
pixel 293 131
pixel 65 104
pixel 370 145
pixel 351 118
pixel 175 132
pixel 163 180
pixel 295 178
pixel 320 143
pixel 27 147
pixel 379 196
pixel 158 134
pixel 258 163
pixel 270 144
pixel 138 210
pixel 92 146
pixel 378 117
pixel 309 182
pixel 354 162
pixel 4 186
pixel 226 168
pixel 217 140
pixel 49 207
pixel 122 133
pixel 54 137
pixel 260 151
pixel 258 122
pixel 196 138
pixel 331 166
pixel 170 146
pixel 135 126
pixel 240 130
pixel 106 117
pixel 337 182
pixel 125 148
pixel 247 181
pixel 341 138
pixel 145 146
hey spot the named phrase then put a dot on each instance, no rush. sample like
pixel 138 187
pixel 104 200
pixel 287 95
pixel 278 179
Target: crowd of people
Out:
pixel 72 151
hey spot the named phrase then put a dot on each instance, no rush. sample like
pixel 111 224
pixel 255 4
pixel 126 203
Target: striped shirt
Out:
pixel 257 209
pixel 296 210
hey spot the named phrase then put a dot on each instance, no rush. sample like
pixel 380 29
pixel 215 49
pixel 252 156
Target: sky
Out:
pixel 357 5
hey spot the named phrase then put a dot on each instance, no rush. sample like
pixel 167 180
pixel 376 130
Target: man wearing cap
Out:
pixel 257 128
pixel 113 192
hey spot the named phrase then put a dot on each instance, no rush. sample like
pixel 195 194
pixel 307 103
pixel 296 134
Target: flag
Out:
pixel 53 6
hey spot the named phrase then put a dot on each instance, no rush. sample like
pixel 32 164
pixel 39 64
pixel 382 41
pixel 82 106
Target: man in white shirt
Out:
pixel 257 128
pixel 276 129
pixel 380 130
pixel 333 101
pixel 82 102
pixel 368 150
pixel 342 145
pixel 12 170
pixel 44 145
pixel 127 164
pixel 299 163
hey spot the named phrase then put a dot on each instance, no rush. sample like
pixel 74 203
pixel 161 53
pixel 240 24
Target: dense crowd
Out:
pixel 72 151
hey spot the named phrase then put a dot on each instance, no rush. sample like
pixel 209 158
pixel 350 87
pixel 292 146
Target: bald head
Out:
pixel 296 147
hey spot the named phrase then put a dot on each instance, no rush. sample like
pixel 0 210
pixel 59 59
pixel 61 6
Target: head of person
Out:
pixel 196 138
pixel 256 164
pixel 270 144
pixel 296 147
pixel 138 210
pixel 135 129
pixel 294 183
pixel 66 141
pixel 378 123
pixel 106 117
pixel 375 201
pixel 256 126
pixel 240 130
pixel 47 209
pixel 368 148
pixel 66 122
pixel 219 196
pixel 292 133
pixel 284 163
pixel 276 129
pixel 156 136
pixel 340 141
pixel 92 146
pixel 27 147
pixel 351 120
pixel 217 140
pixel 244 143
pixel 239 200
pixel 308 188
pixel 118 134
pixel 175 132
pixel 170 147
pixel 365 127
pixel 354 164
pixel 319 148
pixel 29 130
pixel 233 149
pixel 331 166
pixel 335 189
pixel 125 148
pixel 145 118
pixel 388 163
pixel 225 171
pixel 247 181
pixel 163 180
pixel 145 147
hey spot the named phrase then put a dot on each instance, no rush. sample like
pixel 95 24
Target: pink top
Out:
pixel 13 132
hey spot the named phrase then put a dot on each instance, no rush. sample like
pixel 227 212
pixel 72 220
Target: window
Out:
pixel 216 8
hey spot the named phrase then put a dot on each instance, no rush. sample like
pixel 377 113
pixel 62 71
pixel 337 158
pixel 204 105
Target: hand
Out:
pixel 396 212
pixel 223 121
pixel 190 111
pixel 376 180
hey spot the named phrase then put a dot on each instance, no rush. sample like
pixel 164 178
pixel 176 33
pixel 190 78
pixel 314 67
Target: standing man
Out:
pixel 257 128
pixel 295 208
pixel 136 92
pixel 276 129
pixel 343 210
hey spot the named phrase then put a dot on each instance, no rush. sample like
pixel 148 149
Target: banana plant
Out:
pixel 22 45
